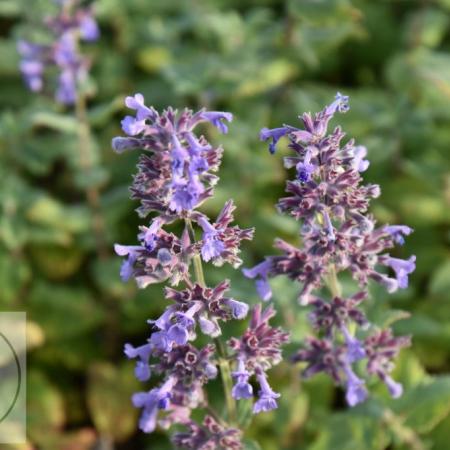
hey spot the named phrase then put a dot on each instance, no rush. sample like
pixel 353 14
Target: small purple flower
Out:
pixel 142 371
pixel 151 402
pixel 31 66
pixel 355 348
pixel 275 134
pixel 261 273
pixel 137 102
pixel 149 236
pixel 239 310
pixel 359 163
pixel 126 270
pixel 242 388
pixel 217 119
pixel 88 26
pixel 267 397
pixel 66 91
pixel 355 389
pixel 395 389
pixel 132 126
pixel 398 231
pixel 304 171
pixel 212 247
pixel 402 269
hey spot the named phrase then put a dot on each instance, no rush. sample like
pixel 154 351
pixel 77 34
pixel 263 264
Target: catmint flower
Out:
pixel 71 24
pixel 176 174
pixel 261 273
pixel 218 119
pixel 398 231
pixel 275 134
pixel 242 388
pixel 338 234
pixel 211 435
pixel 221 242
pixel 151 402
pixel 267 397
pixel 355 390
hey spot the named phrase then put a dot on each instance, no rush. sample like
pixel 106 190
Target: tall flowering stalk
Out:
pixel 176 174
pixel 71 24
pixel 338 234
pixel 67 28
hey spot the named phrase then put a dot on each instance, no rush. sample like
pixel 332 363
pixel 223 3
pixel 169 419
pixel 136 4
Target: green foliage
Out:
pixel 266 61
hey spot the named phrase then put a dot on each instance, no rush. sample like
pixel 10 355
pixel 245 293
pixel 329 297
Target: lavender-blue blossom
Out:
pixel 176 174
pixel 338 234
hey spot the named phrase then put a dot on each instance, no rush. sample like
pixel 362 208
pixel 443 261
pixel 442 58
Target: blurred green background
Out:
pixel 266 61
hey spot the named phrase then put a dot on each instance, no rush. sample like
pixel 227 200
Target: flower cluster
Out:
pixel 210 436
pixel 255 352
pixel 338 234
pixel 176 174
pixel 71 24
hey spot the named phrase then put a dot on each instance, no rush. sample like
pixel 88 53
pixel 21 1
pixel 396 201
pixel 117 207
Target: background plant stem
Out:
pixel 223 361
pixel 86 165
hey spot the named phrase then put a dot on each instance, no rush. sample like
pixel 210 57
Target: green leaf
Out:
pixel 58 122
pixel 440 283
pixel 250 444
pixel 426 405
pixel 349 432
pixel 45 407
pixel 108 396
pixel 63 311
pixel 244 412
pixel 48 211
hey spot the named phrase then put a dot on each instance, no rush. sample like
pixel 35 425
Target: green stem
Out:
pixel 224 365
pixel 86 165
pixel 403 433
pixel 333 283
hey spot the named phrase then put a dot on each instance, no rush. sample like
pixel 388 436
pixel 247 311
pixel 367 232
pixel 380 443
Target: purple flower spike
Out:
pixel 217 119
pixel 71 24
pixel 275 134
pixel 267 397
pixel 151 402
pixel 337 234
pixel 340 104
